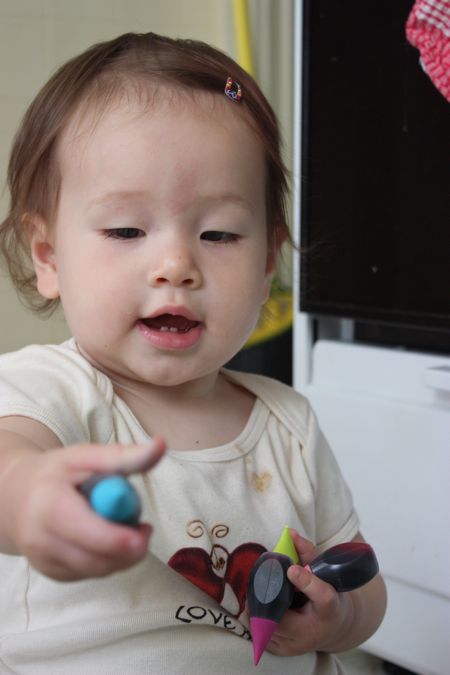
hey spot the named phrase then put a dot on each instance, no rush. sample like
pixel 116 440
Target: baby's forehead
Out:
pixel 142 98
pixel 130 106
pixel 190 134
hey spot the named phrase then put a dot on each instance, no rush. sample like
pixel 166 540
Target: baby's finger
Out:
pixel 316 590
pixel 69 562
pixel 79 526
pixel 83 461
pixel 305 549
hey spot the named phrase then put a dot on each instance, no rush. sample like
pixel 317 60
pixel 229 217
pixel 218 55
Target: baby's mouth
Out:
pixel 170 323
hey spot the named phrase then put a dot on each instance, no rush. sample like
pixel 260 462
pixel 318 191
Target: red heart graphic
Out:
pixel 196 565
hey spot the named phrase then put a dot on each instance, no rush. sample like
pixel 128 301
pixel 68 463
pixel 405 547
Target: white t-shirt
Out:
pixel 182 609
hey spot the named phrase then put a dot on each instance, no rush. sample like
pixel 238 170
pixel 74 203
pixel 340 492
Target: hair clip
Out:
pixel 233 90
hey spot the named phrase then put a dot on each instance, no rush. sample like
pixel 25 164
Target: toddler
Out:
pixel 147 196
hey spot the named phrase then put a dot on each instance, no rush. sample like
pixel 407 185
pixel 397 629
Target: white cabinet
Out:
pixel 386 413
pixel 390 431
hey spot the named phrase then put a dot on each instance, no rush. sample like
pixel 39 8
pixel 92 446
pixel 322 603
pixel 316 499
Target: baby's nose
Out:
pixel 177 268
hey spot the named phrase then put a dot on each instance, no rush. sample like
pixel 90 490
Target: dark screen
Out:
pixel 375 169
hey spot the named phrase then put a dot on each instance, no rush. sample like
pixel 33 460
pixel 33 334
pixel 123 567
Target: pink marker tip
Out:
pixel 261 630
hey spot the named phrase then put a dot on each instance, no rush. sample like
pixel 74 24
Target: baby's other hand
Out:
pixel 320 621
pixel 54 526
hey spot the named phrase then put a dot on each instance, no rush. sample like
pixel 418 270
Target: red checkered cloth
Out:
pixel 428 29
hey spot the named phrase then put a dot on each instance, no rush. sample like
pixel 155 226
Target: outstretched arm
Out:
pixel 44 517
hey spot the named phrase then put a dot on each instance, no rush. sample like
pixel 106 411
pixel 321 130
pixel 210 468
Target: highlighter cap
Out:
pixel 115 498
pixel 286 546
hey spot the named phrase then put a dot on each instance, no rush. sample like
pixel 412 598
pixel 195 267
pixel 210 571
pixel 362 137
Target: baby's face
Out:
pixel 160 240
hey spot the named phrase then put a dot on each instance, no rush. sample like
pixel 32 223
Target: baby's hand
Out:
pixel 321 621
pixel 54 526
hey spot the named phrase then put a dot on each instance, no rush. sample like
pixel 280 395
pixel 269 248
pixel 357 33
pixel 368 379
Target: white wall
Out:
pixel 36 36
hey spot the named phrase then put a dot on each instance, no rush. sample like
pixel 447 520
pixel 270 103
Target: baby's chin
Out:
pixel 172 370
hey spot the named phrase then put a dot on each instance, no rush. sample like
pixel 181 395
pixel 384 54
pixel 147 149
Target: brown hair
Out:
pixel 33 172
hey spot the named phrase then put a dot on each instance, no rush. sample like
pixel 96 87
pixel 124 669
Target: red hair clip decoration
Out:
pixel 233 90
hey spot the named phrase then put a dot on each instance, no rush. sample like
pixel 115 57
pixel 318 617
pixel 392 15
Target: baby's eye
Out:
pixel 219 237
pixel 124 233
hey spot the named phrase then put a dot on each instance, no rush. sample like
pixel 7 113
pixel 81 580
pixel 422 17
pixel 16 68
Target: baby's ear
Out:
pixel 42 254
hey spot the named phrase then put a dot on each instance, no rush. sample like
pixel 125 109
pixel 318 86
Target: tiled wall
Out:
pixel 36 36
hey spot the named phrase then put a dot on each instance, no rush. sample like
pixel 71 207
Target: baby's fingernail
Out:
pixel 134 449
pixel 144 449
pixel 295 573
pixel 155 446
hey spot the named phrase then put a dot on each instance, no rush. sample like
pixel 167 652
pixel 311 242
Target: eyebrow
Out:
pixel 118 196
pixel 227 197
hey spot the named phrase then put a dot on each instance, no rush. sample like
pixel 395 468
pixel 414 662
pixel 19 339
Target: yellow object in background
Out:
pixel 242 32
pixel 277 315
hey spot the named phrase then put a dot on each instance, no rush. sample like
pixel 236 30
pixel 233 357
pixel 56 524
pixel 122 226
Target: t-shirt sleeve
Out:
pixel 57 387
pixel 336 519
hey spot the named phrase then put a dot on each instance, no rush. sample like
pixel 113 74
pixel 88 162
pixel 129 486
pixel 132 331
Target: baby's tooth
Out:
pixel 164 329
pixel 173 329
